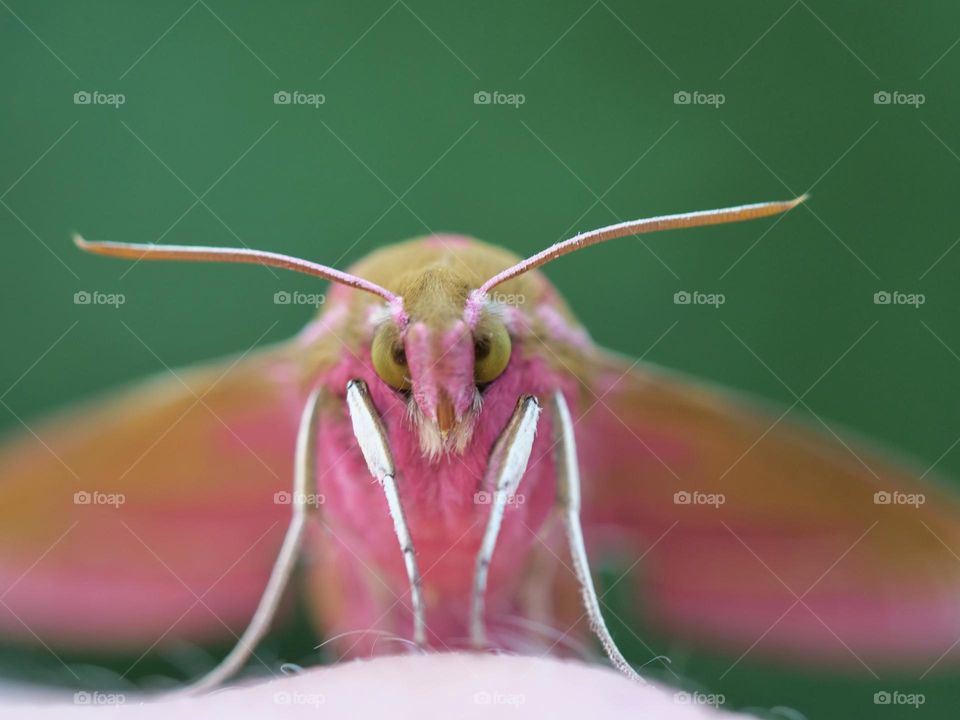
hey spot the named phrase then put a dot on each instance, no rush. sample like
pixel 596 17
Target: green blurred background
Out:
pixel 200 153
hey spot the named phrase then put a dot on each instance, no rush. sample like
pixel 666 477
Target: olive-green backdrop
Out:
pixel 590 127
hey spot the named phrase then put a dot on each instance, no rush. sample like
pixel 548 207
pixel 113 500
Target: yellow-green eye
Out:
pixel 390 359
pixel 491 354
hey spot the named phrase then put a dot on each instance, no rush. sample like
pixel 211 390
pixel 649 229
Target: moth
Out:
pixel 450 464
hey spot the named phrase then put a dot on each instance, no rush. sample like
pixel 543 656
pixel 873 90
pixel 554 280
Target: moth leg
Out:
pixel 304 470
pixel 372 437
pixel 508 462
pixel 568 497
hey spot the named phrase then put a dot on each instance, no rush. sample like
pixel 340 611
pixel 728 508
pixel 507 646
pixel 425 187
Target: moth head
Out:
pixel 443 369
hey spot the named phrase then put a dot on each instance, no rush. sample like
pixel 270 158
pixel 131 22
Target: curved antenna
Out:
pixel 637 227
pixel 198 253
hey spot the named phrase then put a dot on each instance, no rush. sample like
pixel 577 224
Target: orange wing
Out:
pixel 760 535
pixel 150 515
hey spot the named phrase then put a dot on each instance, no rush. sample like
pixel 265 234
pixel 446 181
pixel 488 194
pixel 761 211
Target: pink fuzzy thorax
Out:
pixel 442 498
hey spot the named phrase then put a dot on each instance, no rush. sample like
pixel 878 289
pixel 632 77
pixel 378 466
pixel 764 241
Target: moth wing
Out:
pixel 761 535
pixel 149 515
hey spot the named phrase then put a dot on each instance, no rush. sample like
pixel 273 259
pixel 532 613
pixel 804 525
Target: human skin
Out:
pixel 417 687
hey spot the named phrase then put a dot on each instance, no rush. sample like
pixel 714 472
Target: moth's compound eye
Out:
pixel 390 359
pixel 491 353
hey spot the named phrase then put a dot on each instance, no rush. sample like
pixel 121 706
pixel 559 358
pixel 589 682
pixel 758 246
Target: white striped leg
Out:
pixel 303 474
pixel 372 438
pixel 568 496
pixel 508 462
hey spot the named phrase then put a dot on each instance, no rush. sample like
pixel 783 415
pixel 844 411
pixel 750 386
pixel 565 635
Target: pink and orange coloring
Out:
pixel 444 431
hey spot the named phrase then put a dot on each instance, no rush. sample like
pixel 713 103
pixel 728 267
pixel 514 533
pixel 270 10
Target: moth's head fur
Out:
pixel 437 360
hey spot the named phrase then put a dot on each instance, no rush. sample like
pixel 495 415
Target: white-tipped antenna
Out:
pixel 200 253
pixel 637 227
